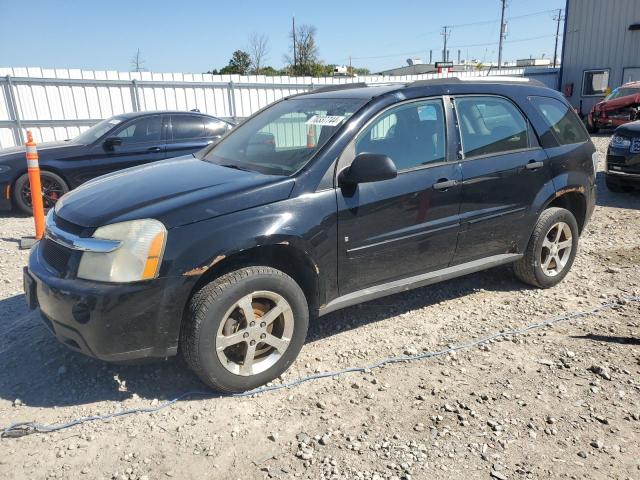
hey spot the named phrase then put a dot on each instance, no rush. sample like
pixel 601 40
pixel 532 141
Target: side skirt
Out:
pixel 416 281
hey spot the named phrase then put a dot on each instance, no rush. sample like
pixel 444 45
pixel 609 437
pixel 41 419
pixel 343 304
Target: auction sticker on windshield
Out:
pixel 325 120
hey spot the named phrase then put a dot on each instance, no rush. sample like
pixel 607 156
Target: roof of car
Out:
pixel 635 84
pixel 367 91
pixel 128 115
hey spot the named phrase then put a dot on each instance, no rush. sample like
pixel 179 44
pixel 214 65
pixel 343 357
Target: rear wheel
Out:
pixel 592 127
pixel 245 328
pixel 53 187
pixel 551 250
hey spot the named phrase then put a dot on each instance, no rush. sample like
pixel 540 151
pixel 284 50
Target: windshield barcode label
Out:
pixel 325 120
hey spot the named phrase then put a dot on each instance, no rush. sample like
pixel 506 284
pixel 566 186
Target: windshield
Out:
pixel 98 130
pixel 283 138
pixel 622 92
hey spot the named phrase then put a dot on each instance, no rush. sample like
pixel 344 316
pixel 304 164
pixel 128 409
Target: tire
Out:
pixel 592 127
pixel 53 187
pixel 530 268
pixel 615 186
pixel 215 315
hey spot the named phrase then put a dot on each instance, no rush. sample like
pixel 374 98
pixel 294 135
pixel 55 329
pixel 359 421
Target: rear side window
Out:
pixel 563 122
pixel 490 125
pixel 215 128
pixel 187 126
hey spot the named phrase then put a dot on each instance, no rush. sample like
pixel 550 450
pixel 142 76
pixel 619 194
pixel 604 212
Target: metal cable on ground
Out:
pixel 20 429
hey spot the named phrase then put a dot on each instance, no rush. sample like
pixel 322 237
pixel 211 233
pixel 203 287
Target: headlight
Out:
pixel 618 141
pixel 137 258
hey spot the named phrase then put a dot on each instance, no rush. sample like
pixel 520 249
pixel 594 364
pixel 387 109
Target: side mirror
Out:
pixel 110 143
pixel 369 167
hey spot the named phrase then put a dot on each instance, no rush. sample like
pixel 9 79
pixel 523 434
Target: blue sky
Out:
pixel 197 35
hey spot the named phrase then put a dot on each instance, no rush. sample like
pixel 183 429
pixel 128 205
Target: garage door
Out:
pixel 631 74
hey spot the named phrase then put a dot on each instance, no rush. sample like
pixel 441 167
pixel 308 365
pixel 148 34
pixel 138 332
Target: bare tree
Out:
pixel 258 50
pixel 305 50
pixel 137 62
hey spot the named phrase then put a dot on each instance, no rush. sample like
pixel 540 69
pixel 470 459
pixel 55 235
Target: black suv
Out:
pixel 119 142
pixel 318 202
pixel 623 158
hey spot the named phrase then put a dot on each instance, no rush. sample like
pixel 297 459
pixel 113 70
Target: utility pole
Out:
pixel 293 35
pixel 502 32
pixel 558 18
pixel 445 35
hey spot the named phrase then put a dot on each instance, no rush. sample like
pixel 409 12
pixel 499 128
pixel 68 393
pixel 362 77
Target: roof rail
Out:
pixel 341 86
pixel 486 79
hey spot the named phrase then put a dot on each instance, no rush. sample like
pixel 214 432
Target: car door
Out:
pixel 190 133
pixel 408 225
pixel 503 169
pixel 137 141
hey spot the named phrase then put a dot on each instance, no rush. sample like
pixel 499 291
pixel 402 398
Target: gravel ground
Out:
pixel 562 401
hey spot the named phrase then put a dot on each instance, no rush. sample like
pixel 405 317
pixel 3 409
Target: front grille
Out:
pixel 615 160
pixel 67 226
pixel 56 256
pixel 635 145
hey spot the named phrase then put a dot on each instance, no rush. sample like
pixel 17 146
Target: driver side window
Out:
pixel 145 129
pixel 411 135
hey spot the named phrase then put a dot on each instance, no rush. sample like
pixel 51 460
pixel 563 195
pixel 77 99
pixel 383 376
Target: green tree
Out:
pixel 240 63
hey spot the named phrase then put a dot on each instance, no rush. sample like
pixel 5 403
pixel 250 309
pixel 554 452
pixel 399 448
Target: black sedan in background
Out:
pixel 119 142
pixel 623 158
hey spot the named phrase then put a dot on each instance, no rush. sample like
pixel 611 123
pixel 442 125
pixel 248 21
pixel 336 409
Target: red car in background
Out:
pixel 619 107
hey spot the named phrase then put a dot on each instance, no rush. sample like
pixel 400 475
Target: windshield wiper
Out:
pixel 228 165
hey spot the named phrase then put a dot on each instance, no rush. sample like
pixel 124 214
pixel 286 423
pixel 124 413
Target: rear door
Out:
pixel 408 225
pixel 190 133
pixel 503 169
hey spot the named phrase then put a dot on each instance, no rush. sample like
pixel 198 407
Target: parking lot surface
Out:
pixel 560 401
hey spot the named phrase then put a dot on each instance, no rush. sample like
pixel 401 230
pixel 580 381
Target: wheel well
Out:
pixel 576 203
pixel 285 258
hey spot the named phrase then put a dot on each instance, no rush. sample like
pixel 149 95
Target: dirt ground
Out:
pixel 558 402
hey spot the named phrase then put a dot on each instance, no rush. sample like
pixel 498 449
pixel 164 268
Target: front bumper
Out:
pixel 114 322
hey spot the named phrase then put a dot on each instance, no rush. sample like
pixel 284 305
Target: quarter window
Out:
pixel 563 122
pixel 411 135
pixel 146 129
pixel 490 125
pixel 595 82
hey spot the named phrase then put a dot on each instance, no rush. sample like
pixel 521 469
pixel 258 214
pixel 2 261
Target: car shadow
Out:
pixel 41 372
pixel 609 339
pixel 607 198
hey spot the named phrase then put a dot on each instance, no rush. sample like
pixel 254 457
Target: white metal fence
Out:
pixel 57 104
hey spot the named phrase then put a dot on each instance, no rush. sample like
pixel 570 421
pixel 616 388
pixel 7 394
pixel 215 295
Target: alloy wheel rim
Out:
pixel 255 333
pixel 51 192
pixel 556 249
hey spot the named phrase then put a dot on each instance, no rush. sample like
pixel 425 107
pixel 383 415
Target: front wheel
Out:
pixel 244 328
pixel 53 187
pixel 551 250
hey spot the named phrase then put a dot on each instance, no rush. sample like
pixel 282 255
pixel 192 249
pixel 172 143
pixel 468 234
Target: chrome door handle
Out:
pixel 154 149
pixel 444 184
pixel 533 165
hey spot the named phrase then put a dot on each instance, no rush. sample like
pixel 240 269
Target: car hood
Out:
pixel 631 129
pixel 177 191
pixel 45 150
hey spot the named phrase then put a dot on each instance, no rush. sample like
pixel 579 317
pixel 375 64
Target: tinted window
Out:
pixel 145 129
pixel 411 135
pixel 214 128
pixel 187 126
pixel 595 82
pixel 490 125
pixel 565 124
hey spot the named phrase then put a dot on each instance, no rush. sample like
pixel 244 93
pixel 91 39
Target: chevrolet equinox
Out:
pixel 320 201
